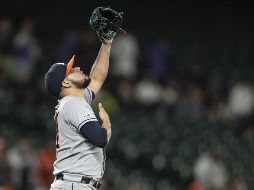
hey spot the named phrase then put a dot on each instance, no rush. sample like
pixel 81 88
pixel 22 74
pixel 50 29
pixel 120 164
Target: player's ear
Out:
pixel 66 84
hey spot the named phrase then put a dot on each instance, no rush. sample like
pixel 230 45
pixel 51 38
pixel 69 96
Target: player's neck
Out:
pixel 77 92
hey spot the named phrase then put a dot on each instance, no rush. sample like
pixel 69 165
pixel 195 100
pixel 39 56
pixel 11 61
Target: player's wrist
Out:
pixel 107 43
pixel 109 132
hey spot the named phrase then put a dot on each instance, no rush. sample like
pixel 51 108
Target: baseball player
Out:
pixel 80 141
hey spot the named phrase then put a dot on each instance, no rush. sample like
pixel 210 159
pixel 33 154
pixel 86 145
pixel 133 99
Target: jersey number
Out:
pixel 57 138
pixel 57 131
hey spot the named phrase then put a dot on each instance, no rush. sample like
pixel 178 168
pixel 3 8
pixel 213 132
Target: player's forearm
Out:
pixel 100 67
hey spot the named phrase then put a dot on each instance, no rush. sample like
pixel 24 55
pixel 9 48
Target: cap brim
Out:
pixel 69 66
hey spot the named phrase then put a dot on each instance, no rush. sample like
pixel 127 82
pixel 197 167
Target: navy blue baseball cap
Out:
pixel 55 76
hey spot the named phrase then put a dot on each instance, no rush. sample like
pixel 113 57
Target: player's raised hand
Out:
pixel 103 114
pixel 108 42
pixel 105 120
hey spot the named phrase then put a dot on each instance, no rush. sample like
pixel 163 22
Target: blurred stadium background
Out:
pixel 179 92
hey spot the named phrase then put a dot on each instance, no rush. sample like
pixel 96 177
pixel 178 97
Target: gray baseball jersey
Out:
pixel 74 153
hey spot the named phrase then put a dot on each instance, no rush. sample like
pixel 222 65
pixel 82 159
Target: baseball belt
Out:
pixel 83 179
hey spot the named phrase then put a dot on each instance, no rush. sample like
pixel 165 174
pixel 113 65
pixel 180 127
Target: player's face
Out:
pixel 78 78
pixel 76 74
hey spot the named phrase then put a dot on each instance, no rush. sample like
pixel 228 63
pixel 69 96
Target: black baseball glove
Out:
pixel 106 22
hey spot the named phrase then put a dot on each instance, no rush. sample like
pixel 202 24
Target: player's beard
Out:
pixel 81 84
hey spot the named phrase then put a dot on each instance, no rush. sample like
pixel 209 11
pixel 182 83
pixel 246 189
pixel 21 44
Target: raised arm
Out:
pixel 100 67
